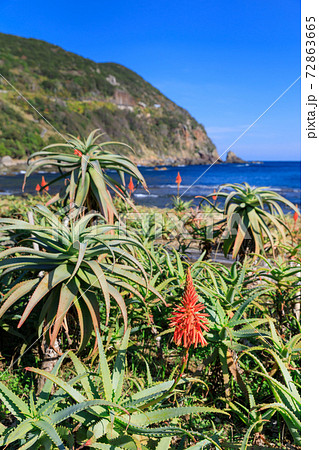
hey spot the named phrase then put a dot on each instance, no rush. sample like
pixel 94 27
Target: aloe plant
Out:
pixel 288 350
pixel 230 284
pixel 114 417
pixel 250 415
pixel 287 398
pixel 227 297
pixel 38 421
pixel 255 415
pixel 227 329
pixel 150 228
pixel 75 262
pixel 181 205
pixel 248 215
pixel 284 277
pixel 88 166
pixel 280 272
pixel 171 280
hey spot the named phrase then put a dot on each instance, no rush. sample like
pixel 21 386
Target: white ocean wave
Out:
pixel 283 189
pixel 146 195
pixel 185 186
pixel 171 186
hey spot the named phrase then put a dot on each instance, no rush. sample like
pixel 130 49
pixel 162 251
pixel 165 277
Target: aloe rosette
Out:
pixel 249 214
pixel 86 167
pixel 120 419
pixel 38 420
pixel 76 260
pixel 287 399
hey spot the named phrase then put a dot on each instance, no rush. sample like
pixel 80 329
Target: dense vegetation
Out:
pixel 120 331
pixel 75 93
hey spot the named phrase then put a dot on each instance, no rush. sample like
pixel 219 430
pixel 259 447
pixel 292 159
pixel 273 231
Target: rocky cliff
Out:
pixel 77 95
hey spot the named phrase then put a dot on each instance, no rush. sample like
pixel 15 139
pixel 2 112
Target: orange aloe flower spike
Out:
pixel 214 196
pixel 188 319
pixel 43 183
pixel 131 185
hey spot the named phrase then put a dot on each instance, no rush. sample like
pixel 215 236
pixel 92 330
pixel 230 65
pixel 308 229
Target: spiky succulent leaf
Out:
pixel 161 415
pixel 15 405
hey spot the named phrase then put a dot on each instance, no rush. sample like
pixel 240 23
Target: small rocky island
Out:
pixel 234 159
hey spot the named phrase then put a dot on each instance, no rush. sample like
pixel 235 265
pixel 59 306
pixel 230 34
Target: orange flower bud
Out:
pixel 77 152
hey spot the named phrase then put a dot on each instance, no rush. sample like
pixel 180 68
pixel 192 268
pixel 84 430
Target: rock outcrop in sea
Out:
pixel 234 159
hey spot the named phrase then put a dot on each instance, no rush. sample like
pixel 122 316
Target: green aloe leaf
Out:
pixel 119 368
pixel 71 391
pixel 18 291
pixel 19 432
pixel 15 405
pixel 161 415
pixel 50 431
pixel 164 443
pixel 244 444
pixel 70 411
pixel 105 372
pixel 68 294
pixel 49 281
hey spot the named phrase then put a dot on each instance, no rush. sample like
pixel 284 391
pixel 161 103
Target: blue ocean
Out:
pixel 282 177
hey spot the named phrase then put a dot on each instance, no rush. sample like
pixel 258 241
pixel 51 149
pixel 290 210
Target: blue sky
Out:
pixel 225 62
